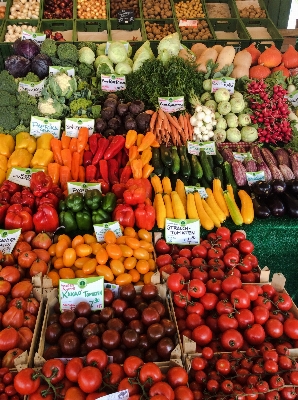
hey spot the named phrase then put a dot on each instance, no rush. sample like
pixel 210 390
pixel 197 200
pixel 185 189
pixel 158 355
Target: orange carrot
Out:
pixel 66 157
pixel 54 172
pixel 56 149
pixel 87 147
pixel 159 121
pixel 186 134
pixel 173 121
pixel 152 121
pixel 75 163
pixel 190 128
pixel 81 174
pixel 83 137
pixel 65 176
pixel 149 112
pixel 174 134
pixel 73 144
pixel 65 141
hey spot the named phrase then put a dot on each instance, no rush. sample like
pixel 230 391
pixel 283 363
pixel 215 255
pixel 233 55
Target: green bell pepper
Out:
pixel 68 220
pixel 75 202
pixel 109 202
pixel 93 199
pixel 84 220
pixel 100 216
pixel 62 206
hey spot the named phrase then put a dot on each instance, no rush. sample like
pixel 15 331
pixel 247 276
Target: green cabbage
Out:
pixel 101 49
pixel 103 60
pixel 171 43
pixel 117 52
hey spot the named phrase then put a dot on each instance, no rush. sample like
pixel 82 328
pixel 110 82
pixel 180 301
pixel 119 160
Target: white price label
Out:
pixel 189 23
pixel 293 98
pixel 101 229
pixel 53 70
pixel 40 125
pixel 122 395
pixel 253 177
pixel 72 126
pixel 21 176
pixel 33 88
pixel 113 83
pixel 223 83
pixel 182 231
pixel 193 189
pixel 38 38
pixel 8 240
pixel 73 291
pixel 82 187
pixel 196 147
pixel 241 156
pixel 171 104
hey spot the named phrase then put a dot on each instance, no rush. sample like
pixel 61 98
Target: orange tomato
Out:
pixel 66 273
pixel 130 263
pixel 142 267
pixel 88 239
pixel 141 254
pixel 146 245
pixel 58 264
pixel 77 240
pixel 117 267
pixel 145 235
pixel 61 246
pixel 79 262
pixel 147 277
pixel 151 255
pixel 89 266
pixel 114 251
pixel 110 237
pixel 130 232
pixel 122 259
pixel 126 250
pixel 52 249
pixel 123 279
pixel 55 278
pixel 106 272
pixel 102 256
pixel 80 274
pixel 132 242
pixel 121 240
pixel 65 237
pixel 83 250
pixel 135 275
pixel 95 247
pixel 69 257
pixel 152 265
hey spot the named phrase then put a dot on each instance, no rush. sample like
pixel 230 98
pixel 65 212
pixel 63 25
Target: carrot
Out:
pixel 181 121
pixel 65 141
pixel 56 149
pixel 81 174
pixel 174 122
pixel 149 112
pixel 152 121
pixel 75 163
pixel 66 157
pixel 174 134
pixel 162 113
pixel 159 122
pixel 190 128
pixel 54 172
pixel 186 127
pixel 73 144
pixel 65 176
pixel 83 137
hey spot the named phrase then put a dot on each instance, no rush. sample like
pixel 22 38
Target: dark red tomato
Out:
pixel 215 252
pixel 212 237
pixel 184 272
pixel 168 269
pixel 193 320
pixel 181 298
pixel 255 335
pixel 231 259
pixel 196 288
pixel 244 317
pixel 161 247
pixel 185 253
pixel 242 376
pixel 261 314
pixel 211 322
pixel 230 284
pixel 184 393
pixel 252 259
pixel 231 340
pixel 263 301
pixel 294 377
pixel 227 386
pixel 244 266
pixel 199 273
pixel 285 362
pixel 222 244
pixel 163 260
pixel 175 282
pixel 199 251
pixel 252 291
pixel 291 328
pixel 198 363
pixel 223 233
pixel 283 301
pixel 237 236
pixel 216 273
pixel 270 355
pixel 274 328
pixel 251 393
pixel 227 321
pixel 207 353
pixel 198 262
pixel 246 246
pixel 216 262
pixel 262 386
pixel 195 307
pixel 202 335
pixel 209 301
pixel 223 366
pixel 224 307
pixel 180 313
pixel 163 389
pixel 240 299
pixel 213 285
pixel 282 349
pixel 270 366
pixel 212 386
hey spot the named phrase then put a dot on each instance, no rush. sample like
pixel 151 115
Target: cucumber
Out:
pixel 166 156
pixel 203 182
pixel 166 172
pixel 184 179
pixel 229 178
pixel 207 171
pixel 176 160
pixel 211 162
pixel 218 158
pixel 156 161
pixel 196 168
pixel 185 169
pixel 219 174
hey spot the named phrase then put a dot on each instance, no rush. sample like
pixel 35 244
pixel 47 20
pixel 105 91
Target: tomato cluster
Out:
pixel 264 374
pixel 7 389
pixel 96 378
pixel 132 324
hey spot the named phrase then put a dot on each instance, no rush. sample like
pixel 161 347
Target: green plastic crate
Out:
pixel 84 19
pixel 58 25
pixel 135 25
pixel 74 12
pixel 184 1
pixel 229 26
pixel 208 42
pixel 261 43
pixel 114 16
pixel 92 26
pixel 261 4
pixel 154 43
pixel 231 4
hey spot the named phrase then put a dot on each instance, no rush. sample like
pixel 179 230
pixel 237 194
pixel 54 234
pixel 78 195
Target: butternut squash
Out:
pixel 242 58
pixel 198 49
pixel 208 54
pixel 254 52
pixel 218 48
pixel 240 71
pixel 225 57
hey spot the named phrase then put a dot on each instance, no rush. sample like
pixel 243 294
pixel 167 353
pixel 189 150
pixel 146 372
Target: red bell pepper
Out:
pixel 126 174
pixel 57 191
pixel 116 145
pixel 3 211
pixel 104 170
pixel 145 217
pixel 134 195
pixel 102 146
pixel 5 197
pixel 118 189
pixel 49 198
pixel 113 168
pixel 124 214
pixel 46 219
pixel 25 198
pixel 144 183
pixel 105 186
pixel 125 158
pixel 18 217
pixel 40 183
pixel 10 187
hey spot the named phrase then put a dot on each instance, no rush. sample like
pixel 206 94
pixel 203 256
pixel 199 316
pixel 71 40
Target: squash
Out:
pixel 243 58
pixel 284 70
pixel 290 58
pixel 271 57
pixel 254 52
pixel 218 48
pixel 187 55
pixel 259 72
pixel 225 57
pixel 208 54
pixel 239 71
pixel 198 49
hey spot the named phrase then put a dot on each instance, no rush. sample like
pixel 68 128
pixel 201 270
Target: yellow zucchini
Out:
pixel 233 208
pixel 205 220
pixel 192 212
pixel 231 191
pixel 214 206
pixel 219 198
pixel 180 189
pixel 160 210
pixel 211 214
pixel 247 208
pixel 178 209
pixel 166 184
pixel 156 183
pixel 168 204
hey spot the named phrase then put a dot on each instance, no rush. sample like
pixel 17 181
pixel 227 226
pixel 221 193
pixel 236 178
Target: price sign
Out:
pixel 171 104
pixel 196 147
pixel 8 240
pixel 73 291
pixel 21 176
pixel 182 231
pixel 189 23
pixel 126 16
pixel 223 83
pixel 101 229
pixel 82 187
pixel 72 126
pixel 122 395
pixel 253 177
pixel 193 189
pixel 53 70
pixel 113 82
pixel 241 156
pixel 38 38
pixel 293 98
pixel 33 88
pixel 40 125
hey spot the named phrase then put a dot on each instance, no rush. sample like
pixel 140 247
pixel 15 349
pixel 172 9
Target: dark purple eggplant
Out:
pixel 278 186
pixel 275 205
pixel 262 189
pixel 260 209
pixel 291 204
pixel 292 186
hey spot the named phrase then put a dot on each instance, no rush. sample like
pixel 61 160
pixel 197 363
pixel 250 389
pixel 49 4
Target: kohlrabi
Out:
pixel 207 85
pixel 222 95
pixel 205 97
pixel 233 135
pixel 244 120
pixel 237 105
pixel 224 107
pixel 237 95
pixel 221 123
pixel 249 134
pixel 220 135
pixel 211 104
pixel 232 120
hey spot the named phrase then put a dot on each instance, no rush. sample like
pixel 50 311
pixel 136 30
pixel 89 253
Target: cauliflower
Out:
pixel 86 56
pixel 50 107
pixel 62 85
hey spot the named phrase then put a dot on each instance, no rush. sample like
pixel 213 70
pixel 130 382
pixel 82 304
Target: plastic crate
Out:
pixel 208 42
pixel 135 25
pixel 95 18
pixel 154 43
pixel 58 25
pixel 74 12
pixel 261 43
pixel 7 10
pixel 184 1
pixel 230 3
pixel 119 8
pixel 93 26
pixel 260 3
pixel 229 26
pixel 145 17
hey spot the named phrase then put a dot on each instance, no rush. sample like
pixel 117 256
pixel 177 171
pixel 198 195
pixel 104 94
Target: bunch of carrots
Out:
pixel 68 155
pixel 169 129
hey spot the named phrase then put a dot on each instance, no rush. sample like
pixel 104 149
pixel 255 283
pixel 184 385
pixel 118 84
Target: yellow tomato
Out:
pixel 80 274
pixel 123 279
pixel 135 275
pixel 141 254
pixel 83 250
pixel 90 266
pixel 117 267
pixel 88 239
pixel 126 250
pixel 130 263
pixel 145 235
pixel 95 247
pixel 58 264
pixel 66 238
pixel 146 245
pixel 52 249
pixel 66 273
pixel 110 237
pixel 69 257
pixel 142 267
pixel 55 278
pixel 114 251
pixel 152 265
pixel 121 240
pixel 102 256
pixel 81 261
pixel 61 246
pixel 106 272
pixel 132 242
pixel 77 240
pixel 147 277
pixel 130 232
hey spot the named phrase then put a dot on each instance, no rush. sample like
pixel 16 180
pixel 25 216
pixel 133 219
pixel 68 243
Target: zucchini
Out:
pixel 166 156
pixel 207 171
pixel 166 172
pixel 211 162
pixel 185 169
pixel 204 183
pixel 219 174
pixel 196 168
pixel 229 178
pixel 176 160
pixel 218 158
pixel 156 161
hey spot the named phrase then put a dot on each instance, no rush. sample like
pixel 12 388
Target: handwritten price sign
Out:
pixel 33 88
pixel 113 83
pixel 223 83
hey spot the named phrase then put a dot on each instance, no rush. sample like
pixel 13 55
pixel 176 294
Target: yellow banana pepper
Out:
pixel 19 158
pixel 42 158
pixel 3 162
pixel 25 141
pixel 44 141
pixel 6 145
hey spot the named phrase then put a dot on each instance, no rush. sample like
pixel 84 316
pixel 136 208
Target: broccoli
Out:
pixel 9 118
pixel 82 84
pixel 91 46
pixel 30 77
pixel 25 112
pixel 85 71
pixel 79 106
pixel 95 111
pixel 7 99
pixel 61 63
pixel 8 83
pixel 86 56
pixel 49 47
pixel 68 52
pixel 61 85
pixel 25 98
pixel 50 107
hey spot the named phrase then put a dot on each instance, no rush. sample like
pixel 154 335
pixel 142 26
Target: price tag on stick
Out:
pixel 8 240
pixel 182 231
pixel 196 147
pixel 171 104
pixel 72 126
pixel 253 177
pixel 101 229
pixel 33 88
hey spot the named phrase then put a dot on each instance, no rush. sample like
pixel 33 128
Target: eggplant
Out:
pixel 260 209
pixel 292 186
pixel 278 186
pixel 275 205
pixel 262 189
pixel 291 204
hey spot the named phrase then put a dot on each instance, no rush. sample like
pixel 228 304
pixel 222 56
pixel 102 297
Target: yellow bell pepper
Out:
pixel 44 141
pixel 25 141
pixel 3 162
pixel 2 176
pixel 19 158
pixel 6 145
pixel 42 158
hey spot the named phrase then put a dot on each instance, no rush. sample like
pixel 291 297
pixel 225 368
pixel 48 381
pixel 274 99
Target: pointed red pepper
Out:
pixel 113 169
pixel 102 146
pixel 90 173
pixel 46 219
pixel 104 171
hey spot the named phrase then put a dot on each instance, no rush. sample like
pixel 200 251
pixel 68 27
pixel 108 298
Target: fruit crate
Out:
pixel 262 42
pixel 174 2
pixel 161 22
pixel 240 4
pixel 229 3
pixel 85 19
pixel 59 25
pixel 231 27
pixel 92 30
pixel 279 12
pixel 208 42
pixel 136 25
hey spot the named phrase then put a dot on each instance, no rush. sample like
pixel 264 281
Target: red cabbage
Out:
pixel 26 48
pixel 40 65
pixel 17 66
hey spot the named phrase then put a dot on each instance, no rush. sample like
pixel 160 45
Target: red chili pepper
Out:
pixel 102 146
pixel 126 174
pixel 40 183
pixel 90 173
pixel 134 195
pixel 87 158
pixel 125 158
pixel 25 198
pixel 118 189
pixel 113 170
pixel 93 139
pixel 104 171
pixel 10 187
pixel 116 145
pixel 124 214
pixel 145 217
pixel 118 157
pixel 18 217
pixel 46 218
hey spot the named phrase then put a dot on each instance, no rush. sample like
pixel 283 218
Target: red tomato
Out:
pixel 199 273
pixel 195 307
pixel 199 251
pixel 223 233
pixel 231 340
pixel 177 376
pixel 216 262
pixel 89 379
pixel 237 236
pixel 184 393
pixel 255 335
pixel 202 335
pixel 215 252
pixel 274 328
pixel 26 382
pixel 163 260
pixel 114 374
pixel 130 385
pixel 227 386
pixel 223 366
pixel 227 321
pixel 244 266
pixel 74 393
pixel 231 259
pixel 29 321
pixel 168 269
pixel 224 307
pixel 131 366
pixel 252 291
pixel 261 314
pixel 207 353
pixel 216 273
pixel 246 246
pixel 198 262
pixel 73 367
pixel 97 358
pixel 198 363
pixel 182 262
pixel 283 301
pixel 290 328
pixel 263 301
pixel 181 299
pixel 9 339
pixel 276 382
pixel 213 285
pixel 10 356
pixel 39 394
pixel 196 288
pixel 185 253
pixel 32 305
pixel 193 320
pixel 176 282
pixel 162 388
pixel 244 318
pixel 230 284
pixel 150 371
pixel 240 299
pixel 209 301
pixel 184 271
pixel 161 247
